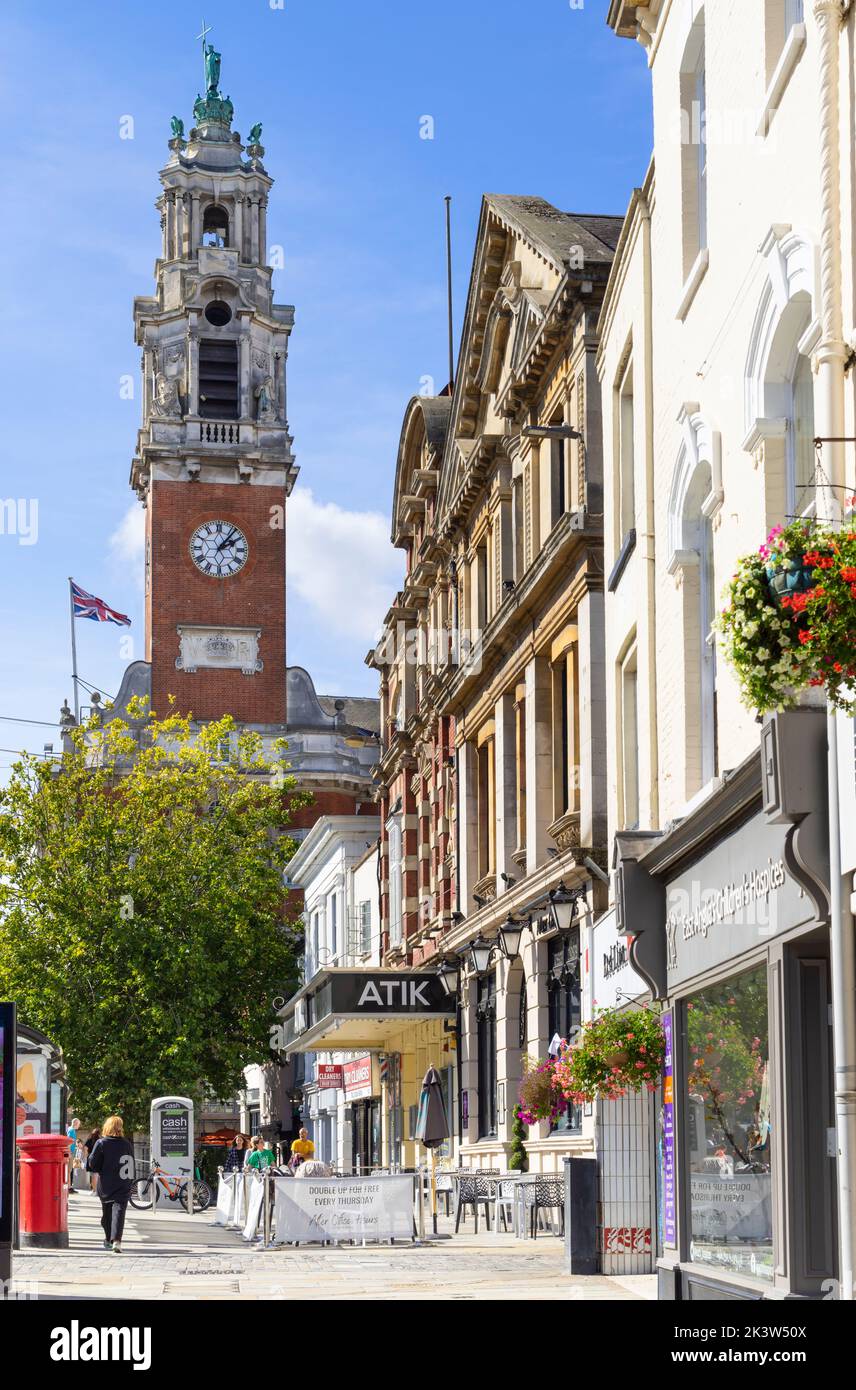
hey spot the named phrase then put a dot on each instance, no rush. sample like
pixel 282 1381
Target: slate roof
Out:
pixel 361 712
pixel 555 232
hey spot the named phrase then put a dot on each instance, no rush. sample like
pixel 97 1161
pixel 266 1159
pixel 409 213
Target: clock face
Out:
pixel 219 549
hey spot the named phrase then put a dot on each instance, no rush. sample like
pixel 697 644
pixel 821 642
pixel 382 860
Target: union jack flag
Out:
pixel 88 606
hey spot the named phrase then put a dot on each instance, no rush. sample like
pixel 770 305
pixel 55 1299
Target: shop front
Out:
pixel 382 1029
pixel 727 917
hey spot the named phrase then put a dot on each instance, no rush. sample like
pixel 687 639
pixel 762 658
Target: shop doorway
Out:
pixel 365 1136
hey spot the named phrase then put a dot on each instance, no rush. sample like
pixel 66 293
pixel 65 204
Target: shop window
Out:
pixel 565 1005
pixel 729 1126
pixel 486 1020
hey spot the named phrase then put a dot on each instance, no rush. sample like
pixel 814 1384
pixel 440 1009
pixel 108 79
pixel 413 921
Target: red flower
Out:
pixel 805 637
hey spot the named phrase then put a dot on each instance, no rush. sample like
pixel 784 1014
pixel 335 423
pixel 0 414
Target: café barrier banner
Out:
pixel 310 1209
pixel 254 1206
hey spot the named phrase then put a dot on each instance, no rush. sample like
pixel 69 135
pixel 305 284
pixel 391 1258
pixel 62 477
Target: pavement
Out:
pixel 167 1254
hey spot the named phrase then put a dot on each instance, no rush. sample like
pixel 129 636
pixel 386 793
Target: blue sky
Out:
pixel 538 98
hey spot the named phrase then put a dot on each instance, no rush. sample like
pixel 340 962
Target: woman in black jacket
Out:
pixel 236 1155
pixel 113 1160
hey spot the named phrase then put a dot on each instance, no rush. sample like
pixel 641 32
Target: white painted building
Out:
pixel 336 869
pixel 724 354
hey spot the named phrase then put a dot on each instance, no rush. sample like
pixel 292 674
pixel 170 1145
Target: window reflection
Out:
pixel 728 1131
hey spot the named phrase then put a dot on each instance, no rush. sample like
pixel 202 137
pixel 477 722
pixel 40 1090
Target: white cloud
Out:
pixel 128 543
pixel 339 563
pixel 342 564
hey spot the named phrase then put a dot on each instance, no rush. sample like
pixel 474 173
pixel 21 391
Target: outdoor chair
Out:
pixel 544 1194
pixel 474 1190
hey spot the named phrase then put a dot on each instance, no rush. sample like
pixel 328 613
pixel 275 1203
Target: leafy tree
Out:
pixel 142 910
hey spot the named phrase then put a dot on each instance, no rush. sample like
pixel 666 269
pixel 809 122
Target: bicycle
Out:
pixel 158 1182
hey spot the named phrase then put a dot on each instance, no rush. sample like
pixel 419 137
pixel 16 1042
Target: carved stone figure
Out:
pixel 264 394
pixel 167 402
pixel 212 67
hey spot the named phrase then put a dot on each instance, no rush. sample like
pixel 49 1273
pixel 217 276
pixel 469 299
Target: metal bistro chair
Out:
pixel 544 1194
pixel 475 1189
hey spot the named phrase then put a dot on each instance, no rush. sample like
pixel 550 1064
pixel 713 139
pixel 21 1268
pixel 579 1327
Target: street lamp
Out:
pixel 563 905
pixel 510 936
pixel 449 975
pixel 480 954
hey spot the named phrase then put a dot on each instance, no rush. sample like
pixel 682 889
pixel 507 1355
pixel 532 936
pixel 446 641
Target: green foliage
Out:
pixel 790 619
pixel 518 1160
pixel 616 1053
pixel 142 908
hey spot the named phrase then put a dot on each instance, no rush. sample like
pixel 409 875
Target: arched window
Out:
pixel 696 496
pixel 693 108
pixel 779 385
pixel 215 226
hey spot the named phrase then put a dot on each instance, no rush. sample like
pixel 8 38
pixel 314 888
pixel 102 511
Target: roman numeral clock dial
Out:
pixel 219 549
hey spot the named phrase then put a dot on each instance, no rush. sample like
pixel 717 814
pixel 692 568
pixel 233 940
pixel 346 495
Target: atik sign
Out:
pixel 388 993
pixel 328 1076
pixel 357 1078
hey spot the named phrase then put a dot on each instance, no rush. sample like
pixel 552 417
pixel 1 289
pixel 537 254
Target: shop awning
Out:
pixel 345 1010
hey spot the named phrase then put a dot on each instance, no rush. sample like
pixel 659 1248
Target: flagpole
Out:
pixel 73 653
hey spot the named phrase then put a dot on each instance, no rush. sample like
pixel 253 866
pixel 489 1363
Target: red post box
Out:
pixel 43 1211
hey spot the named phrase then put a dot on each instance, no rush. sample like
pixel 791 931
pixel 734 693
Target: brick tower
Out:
pixel 214 465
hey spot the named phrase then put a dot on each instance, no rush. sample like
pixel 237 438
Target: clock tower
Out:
pixel 214 465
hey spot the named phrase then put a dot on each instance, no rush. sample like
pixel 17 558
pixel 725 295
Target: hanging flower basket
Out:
pixel 616 1053
pixel 790 618
pixel 537 1096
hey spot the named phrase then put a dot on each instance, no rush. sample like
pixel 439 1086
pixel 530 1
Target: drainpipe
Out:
pixel 830 356
pixel 650 521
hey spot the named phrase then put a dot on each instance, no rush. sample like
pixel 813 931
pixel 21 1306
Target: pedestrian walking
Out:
pixel 113 1160
pixel 261 1156
pixel 88 1146
pixel 71 1133
pixel 236 1156
pixel 301 1149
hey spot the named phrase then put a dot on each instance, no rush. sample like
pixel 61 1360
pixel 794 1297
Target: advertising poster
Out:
pixel 32 1086
pixel 669 1203
pixel 174 1131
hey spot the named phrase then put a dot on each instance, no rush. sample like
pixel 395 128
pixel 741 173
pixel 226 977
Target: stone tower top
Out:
pixel 212 145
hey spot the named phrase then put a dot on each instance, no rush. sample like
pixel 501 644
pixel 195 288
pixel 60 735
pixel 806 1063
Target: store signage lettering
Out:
pixel 387 993
pixel 357 1078
pixel 614 960
pixel 688 920
pixel 329 1076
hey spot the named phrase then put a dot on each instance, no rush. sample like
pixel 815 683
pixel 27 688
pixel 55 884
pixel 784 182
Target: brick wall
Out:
pixel 253 598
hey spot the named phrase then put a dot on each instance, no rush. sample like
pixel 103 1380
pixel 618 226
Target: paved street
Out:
pixel 171 1255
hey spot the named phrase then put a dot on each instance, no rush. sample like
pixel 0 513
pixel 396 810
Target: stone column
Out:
pixel 506 789
pixel 246 403
pixel 539 760
pixel 183 227
pixel 171 236
pixel 238 227
pixel 192 372
pixel 195 223
pixel 254 229
pixel 467 814
pixel 263 202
